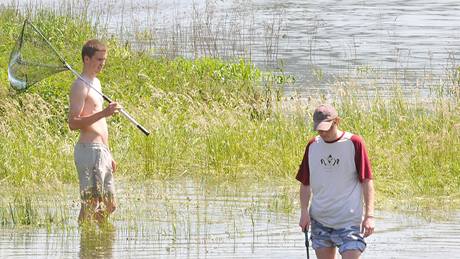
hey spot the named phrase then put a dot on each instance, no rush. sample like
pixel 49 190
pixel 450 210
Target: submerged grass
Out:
pixel 210 120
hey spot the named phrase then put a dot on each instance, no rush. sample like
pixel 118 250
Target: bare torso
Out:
pixel 96 132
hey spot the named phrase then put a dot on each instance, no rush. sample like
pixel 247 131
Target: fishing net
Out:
pixel 33 58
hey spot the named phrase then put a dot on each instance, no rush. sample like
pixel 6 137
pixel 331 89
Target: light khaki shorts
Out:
pixel 94 166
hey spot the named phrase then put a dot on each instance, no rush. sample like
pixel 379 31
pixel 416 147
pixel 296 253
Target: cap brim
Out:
pixel 324 125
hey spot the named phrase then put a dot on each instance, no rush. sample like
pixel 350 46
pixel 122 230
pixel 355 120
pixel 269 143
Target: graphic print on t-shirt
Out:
pixel 330 162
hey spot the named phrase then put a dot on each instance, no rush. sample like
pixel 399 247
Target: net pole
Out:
pixel 122 111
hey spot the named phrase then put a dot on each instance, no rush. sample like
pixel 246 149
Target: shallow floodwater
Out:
pixel 183 221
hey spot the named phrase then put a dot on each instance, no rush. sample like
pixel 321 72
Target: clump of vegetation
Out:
pixel 211 120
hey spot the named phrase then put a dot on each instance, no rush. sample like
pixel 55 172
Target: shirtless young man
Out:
pixel 93 160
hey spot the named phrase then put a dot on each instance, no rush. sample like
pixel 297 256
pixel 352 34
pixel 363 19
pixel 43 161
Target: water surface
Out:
pixel 378 44
pixel 173 220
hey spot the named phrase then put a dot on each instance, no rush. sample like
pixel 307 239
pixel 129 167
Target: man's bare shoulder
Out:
pixel 78 87
pixel 77 83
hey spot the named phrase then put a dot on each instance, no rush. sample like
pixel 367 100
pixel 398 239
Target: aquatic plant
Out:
pixel 213 121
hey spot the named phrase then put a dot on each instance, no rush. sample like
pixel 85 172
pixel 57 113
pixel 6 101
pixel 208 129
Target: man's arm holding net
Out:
pixel 78 94
pixel 34 58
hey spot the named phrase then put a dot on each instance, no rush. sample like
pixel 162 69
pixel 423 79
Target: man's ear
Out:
pixel 85 59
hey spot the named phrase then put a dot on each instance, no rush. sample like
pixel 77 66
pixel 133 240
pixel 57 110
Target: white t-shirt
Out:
pixel 334 171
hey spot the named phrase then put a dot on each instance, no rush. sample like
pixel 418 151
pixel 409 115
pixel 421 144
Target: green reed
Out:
pixel 212 120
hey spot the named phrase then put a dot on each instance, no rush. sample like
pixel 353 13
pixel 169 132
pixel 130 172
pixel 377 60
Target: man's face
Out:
pixel 96 63
pixel 331 134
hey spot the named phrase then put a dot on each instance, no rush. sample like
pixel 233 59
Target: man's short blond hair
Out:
pixel 91 47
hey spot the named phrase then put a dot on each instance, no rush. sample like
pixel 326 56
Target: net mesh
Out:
pixel 32 59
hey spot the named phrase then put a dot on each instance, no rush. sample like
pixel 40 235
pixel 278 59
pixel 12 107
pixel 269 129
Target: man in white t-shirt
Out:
pixel 336 174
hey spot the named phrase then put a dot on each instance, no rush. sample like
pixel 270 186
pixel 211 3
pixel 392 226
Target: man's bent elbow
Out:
pixel 72 125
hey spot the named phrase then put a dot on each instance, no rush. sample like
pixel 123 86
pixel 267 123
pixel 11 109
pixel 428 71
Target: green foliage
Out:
pixel 413 146
pixel 178 99
pixel 24 207
pixel 210 119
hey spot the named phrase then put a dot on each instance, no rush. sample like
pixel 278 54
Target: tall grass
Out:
pixel 413 146
pixel 212 120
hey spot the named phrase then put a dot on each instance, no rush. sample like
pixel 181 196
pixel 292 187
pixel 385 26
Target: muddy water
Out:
pixel 185 221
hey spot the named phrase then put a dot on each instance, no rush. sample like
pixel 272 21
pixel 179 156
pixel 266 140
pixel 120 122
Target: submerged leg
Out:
pixel 90 210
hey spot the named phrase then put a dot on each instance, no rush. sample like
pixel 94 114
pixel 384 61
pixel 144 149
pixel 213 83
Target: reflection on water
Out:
pixel 187 220
pixel 96 241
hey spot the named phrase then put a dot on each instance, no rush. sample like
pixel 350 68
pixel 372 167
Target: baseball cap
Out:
pixel 323 117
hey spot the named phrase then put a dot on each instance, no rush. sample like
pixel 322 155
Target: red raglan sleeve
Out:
pixel 363 165
pixel 303 175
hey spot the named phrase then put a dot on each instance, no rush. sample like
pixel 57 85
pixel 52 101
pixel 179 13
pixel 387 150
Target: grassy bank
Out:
pixel 212 120
pixel 206 116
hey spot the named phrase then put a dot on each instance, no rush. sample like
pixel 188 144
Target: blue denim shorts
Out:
pixel 345 239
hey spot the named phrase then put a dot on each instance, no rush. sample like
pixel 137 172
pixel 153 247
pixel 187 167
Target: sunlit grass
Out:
pixel 211 121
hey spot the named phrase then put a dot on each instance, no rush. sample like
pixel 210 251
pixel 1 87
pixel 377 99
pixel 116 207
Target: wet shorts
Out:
pixel 94 166
pixel 344 238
